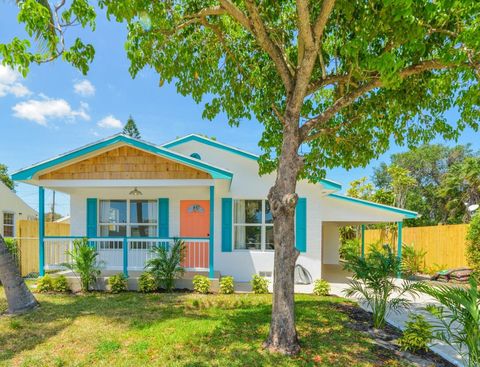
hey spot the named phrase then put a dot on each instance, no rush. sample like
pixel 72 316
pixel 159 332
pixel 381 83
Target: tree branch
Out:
pixel 349 98
pixel 304 27
pixel 322 19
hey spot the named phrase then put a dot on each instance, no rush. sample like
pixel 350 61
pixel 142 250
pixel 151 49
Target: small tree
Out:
pixel 165 266
pixel 5 177
pixel 84 263
pixel 473 244
pixel 131 129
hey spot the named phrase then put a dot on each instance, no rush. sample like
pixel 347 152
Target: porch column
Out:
pixel 41 230
pixel 363 240
pixel 125 257
pixel 211 249
pixel 399 245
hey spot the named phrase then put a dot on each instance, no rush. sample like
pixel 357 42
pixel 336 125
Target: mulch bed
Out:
pixel 386 338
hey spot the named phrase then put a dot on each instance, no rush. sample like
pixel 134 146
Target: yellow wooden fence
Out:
pixel 27 239
pixel 445 245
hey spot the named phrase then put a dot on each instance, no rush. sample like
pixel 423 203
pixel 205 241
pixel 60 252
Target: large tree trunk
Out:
pixel 19 297
pixel 283 200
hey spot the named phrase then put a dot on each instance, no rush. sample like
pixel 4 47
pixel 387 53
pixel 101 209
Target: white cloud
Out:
pixel 110 122
pixel 9 83
pixel 84 88
pixel 40 111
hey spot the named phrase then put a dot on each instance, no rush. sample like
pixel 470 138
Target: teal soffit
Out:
pixel 327 184
pixel 406 213
pixel 29 172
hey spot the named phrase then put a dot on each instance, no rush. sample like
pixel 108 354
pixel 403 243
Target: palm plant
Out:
pixel 458 318
pixel 165 266
pixel 84 263
pixel 373 282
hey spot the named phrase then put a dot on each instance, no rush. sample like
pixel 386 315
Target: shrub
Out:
pixel 60 284
pixel 473 246
pixel 45 283
pixel 321 287
pixel 84 263
pixel 227 285
pixel 259 284
pixel 458 318
pixel 147 283
pixel 413 261
pixel 12 247
pixel 201 284
pixel 417 334
pixel 117 283
pixel 373 282
pixel 350 248
pixel 165 266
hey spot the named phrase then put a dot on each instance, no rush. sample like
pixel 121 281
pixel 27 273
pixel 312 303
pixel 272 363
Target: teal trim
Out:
pixel 211 247
pixel 163 217
pixel 92 217
pixel 330 185
pixel 128 238
pixel 301 225
pixel 195 155
pixel 363 240
pixel 125 257
pixel 227 222
pixel 407 213
pixel 215 172
pixel 399 246
pixel 41 230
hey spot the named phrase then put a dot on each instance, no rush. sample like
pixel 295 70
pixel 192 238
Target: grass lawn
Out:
pixel 133 329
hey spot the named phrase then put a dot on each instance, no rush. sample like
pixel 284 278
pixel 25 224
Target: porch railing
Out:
pixel 125 253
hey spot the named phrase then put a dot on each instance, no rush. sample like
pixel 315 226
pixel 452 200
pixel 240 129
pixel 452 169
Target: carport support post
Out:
pixel 211 272
pixel 363 240
pixel 399 246
pixel 41 230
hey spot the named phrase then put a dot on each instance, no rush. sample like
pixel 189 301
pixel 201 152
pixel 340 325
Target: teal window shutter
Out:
pixel 91 217
pixel 226 225
pixel 163 218
pixel 301 225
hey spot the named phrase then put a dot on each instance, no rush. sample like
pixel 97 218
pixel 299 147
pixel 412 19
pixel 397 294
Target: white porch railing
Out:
pixel 137 251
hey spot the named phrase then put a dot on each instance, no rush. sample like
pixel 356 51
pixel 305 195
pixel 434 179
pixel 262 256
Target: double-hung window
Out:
pixel 120 218
pixel 252 225
pixel 8 224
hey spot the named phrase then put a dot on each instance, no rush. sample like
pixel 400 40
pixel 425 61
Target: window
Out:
pixel 120 218
pixel 252 225
pixel 8 224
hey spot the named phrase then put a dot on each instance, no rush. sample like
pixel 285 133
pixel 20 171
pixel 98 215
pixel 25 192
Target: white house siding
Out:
pixel 11 203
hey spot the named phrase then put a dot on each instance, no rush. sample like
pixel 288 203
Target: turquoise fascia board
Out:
pixel 215 172
pixel 406 213
pixel 328 184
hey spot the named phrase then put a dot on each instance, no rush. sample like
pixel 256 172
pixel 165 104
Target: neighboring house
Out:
pixel 12 209
pixel 127 195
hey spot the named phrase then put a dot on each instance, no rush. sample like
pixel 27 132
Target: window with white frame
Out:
pixel 252 225
pixel 8 224
pixel 120 218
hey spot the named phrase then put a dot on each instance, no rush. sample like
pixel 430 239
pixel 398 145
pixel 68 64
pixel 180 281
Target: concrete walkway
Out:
pixel 338 280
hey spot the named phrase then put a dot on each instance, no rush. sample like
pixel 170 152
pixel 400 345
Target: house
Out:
pixel 12 209
pixel 127 195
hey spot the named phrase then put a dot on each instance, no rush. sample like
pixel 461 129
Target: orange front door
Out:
pixel 195 222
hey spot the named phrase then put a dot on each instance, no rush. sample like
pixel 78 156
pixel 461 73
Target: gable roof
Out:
pixel 328 184
pixel 406 213
pixel 29 172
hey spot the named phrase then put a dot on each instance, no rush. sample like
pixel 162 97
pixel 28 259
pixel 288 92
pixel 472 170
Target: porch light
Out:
pixel 135 192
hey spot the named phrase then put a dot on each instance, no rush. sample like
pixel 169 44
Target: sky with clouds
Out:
pixel 56 109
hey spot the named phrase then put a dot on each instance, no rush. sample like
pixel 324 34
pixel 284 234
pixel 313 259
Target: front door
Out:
pixel 195 222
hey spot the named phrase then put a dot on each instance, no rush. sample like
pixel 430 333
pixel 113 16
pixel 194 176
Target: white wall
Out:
pixel 10 202
pixel 331 244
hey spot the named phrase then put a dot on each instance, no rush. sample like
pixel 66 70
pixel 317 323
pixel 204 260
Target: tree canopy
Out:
pixel 5 177
pixel 131 129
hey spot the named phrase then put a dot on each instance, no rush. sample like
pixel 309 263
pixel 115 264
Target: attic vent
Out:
pixel 196 156
pixel 265 274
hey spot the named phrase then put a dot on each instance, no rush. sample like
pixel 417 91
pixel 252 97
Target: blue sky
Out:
pixel 56 108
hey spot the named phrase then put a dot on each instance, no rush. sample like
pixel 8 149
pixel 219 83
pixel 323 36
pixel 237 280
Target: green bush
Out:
pixel 60 284
pixel 350 248
pixel 117 283
pixel 84 263
pixel 12 247
pixel 259 284
pixel 417 334
pixel 147 283
pixel 321 287
pixel 413 261
pixel 201 284
pixel 45 284
pixel 227 285
pixel 165 265
pixel 473 246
